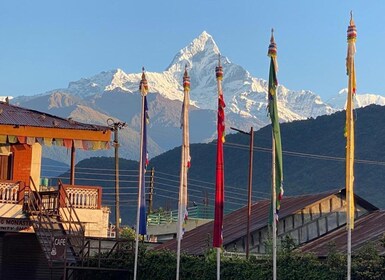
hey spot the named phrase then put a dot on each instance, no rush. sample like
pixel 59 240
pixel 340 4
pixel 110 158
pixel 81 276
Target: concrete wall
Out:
pixel 36 164
pixel 95 221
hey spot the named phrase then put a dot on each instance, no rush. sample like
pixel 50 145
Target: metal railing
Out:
pixel 72 225
pixel 195 212
pixel 51 220
pixel 42 222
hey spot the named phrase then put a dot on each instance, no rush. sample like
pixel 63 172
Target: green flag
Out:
pixel 273 113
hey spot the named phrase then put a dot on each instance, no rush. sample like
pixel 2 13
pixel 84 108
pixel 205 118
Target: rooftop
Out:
pixel 198 240
pixel 18 116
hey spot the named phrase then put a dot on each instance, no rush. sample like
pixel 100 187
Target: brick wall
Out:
pixel 22 156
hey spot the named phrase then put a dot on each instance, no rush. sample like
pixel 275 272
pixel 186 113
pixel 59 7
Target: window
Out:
pixel 5 167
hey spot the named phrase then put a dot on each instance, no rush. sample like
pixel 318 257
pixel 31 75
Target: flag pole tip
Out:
pixel 351 18
pixel 272 36
pixel 185 71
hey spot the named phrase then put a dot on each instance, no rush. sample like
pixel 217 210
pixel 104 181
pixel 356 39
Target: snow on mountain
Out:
pixel 245 96
pixel 361 100
pixel 4 98
pixel 115 94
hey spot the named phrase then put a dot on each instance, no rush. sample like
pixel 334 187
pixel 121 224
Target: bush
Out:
pixel 291 265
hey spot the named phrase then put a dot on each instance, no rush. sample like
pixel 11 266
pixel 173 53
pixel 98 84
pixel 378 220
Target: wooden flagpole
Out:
pixel 185 159
pixel 143 93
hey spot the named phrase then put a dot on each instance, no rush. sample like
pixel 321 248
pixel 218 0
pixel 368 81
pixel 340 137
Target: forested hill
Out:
pixel 313 161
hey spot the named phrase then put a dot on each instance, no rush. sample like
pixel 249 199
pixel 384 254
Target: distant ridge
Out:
pixel 314 161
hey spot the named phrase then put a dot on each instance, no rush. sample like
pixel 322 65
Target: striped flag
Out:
pixel 185 162
pixel 273 113
pixel 219 188
pixel 349 130
pixel 144 160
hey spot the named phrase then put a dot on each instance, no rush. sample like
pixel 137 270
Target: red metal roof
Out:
pixel 198 240
pixel 18 116
pixel 370 227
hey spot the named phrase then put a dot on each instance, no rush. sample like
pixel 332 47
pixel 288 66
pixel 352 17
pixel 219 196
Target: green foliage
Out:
pixel 127 232
pixel 291 265
pixel 287 244
pixel 382 240
pixel 367 264
pixel 336 262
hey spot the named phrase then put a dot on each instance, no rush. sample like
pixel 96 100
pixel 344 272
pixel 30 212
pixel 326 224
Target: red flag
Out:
pixel 220 175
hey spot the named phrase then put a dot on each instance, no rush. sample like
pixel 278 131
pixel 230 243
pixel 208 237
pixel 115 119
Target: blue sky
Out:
pixel 46 44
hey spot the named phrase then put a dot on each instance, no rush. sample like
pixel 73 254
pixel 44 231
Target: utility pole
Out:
pixel 115 126
pixel 249 193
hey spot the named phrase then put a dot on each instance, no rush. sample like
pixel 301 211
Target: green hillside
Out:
pixel 314 152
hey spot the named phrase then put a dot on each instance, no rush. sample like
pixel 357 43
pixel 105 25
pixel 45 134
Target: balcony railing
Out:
pixel 10 192
pixel 85 197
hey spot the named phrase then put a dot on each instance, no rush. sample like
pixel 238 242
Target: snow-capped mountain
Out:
pixel 115 94
pixel 4 98
pixel 245 95
pixel 361 100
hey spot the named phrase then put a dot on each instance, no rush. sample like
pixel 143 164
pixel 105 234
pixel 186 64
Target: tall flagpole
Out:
pixel 185 159
pixel 143 87
pixel 351 37
pixel 219 178
pixel 277 162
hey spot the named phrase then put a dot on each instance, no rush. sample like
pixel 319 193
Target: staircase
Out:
pixel 57 227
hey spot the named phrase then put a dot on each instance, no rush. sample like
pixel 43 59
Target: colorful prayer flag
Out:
pixel 349 133
pixel 144 159
pixel 273 113
pixel 185 157
pixel 220 177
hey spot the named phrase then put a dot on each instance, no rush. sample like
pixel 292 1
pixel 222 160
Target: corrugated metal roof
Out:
pixel 198 240
pixel 18 116
pixel 370 227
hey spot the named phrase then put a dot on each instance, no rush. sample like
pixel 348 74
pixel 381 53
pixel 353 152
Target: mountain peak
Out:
pixel 203 44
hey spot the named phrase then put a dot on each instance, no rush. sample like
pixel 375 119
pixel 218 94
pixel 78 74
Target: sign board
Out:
pixel 16 225
pixel 58 248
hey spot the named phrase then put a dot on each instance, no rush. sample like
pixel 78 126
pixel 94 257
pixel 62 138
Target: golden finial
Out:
pixel 352 30
pixel 219 69
pixel 186 79
pixel 272 52
pixel 143 86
